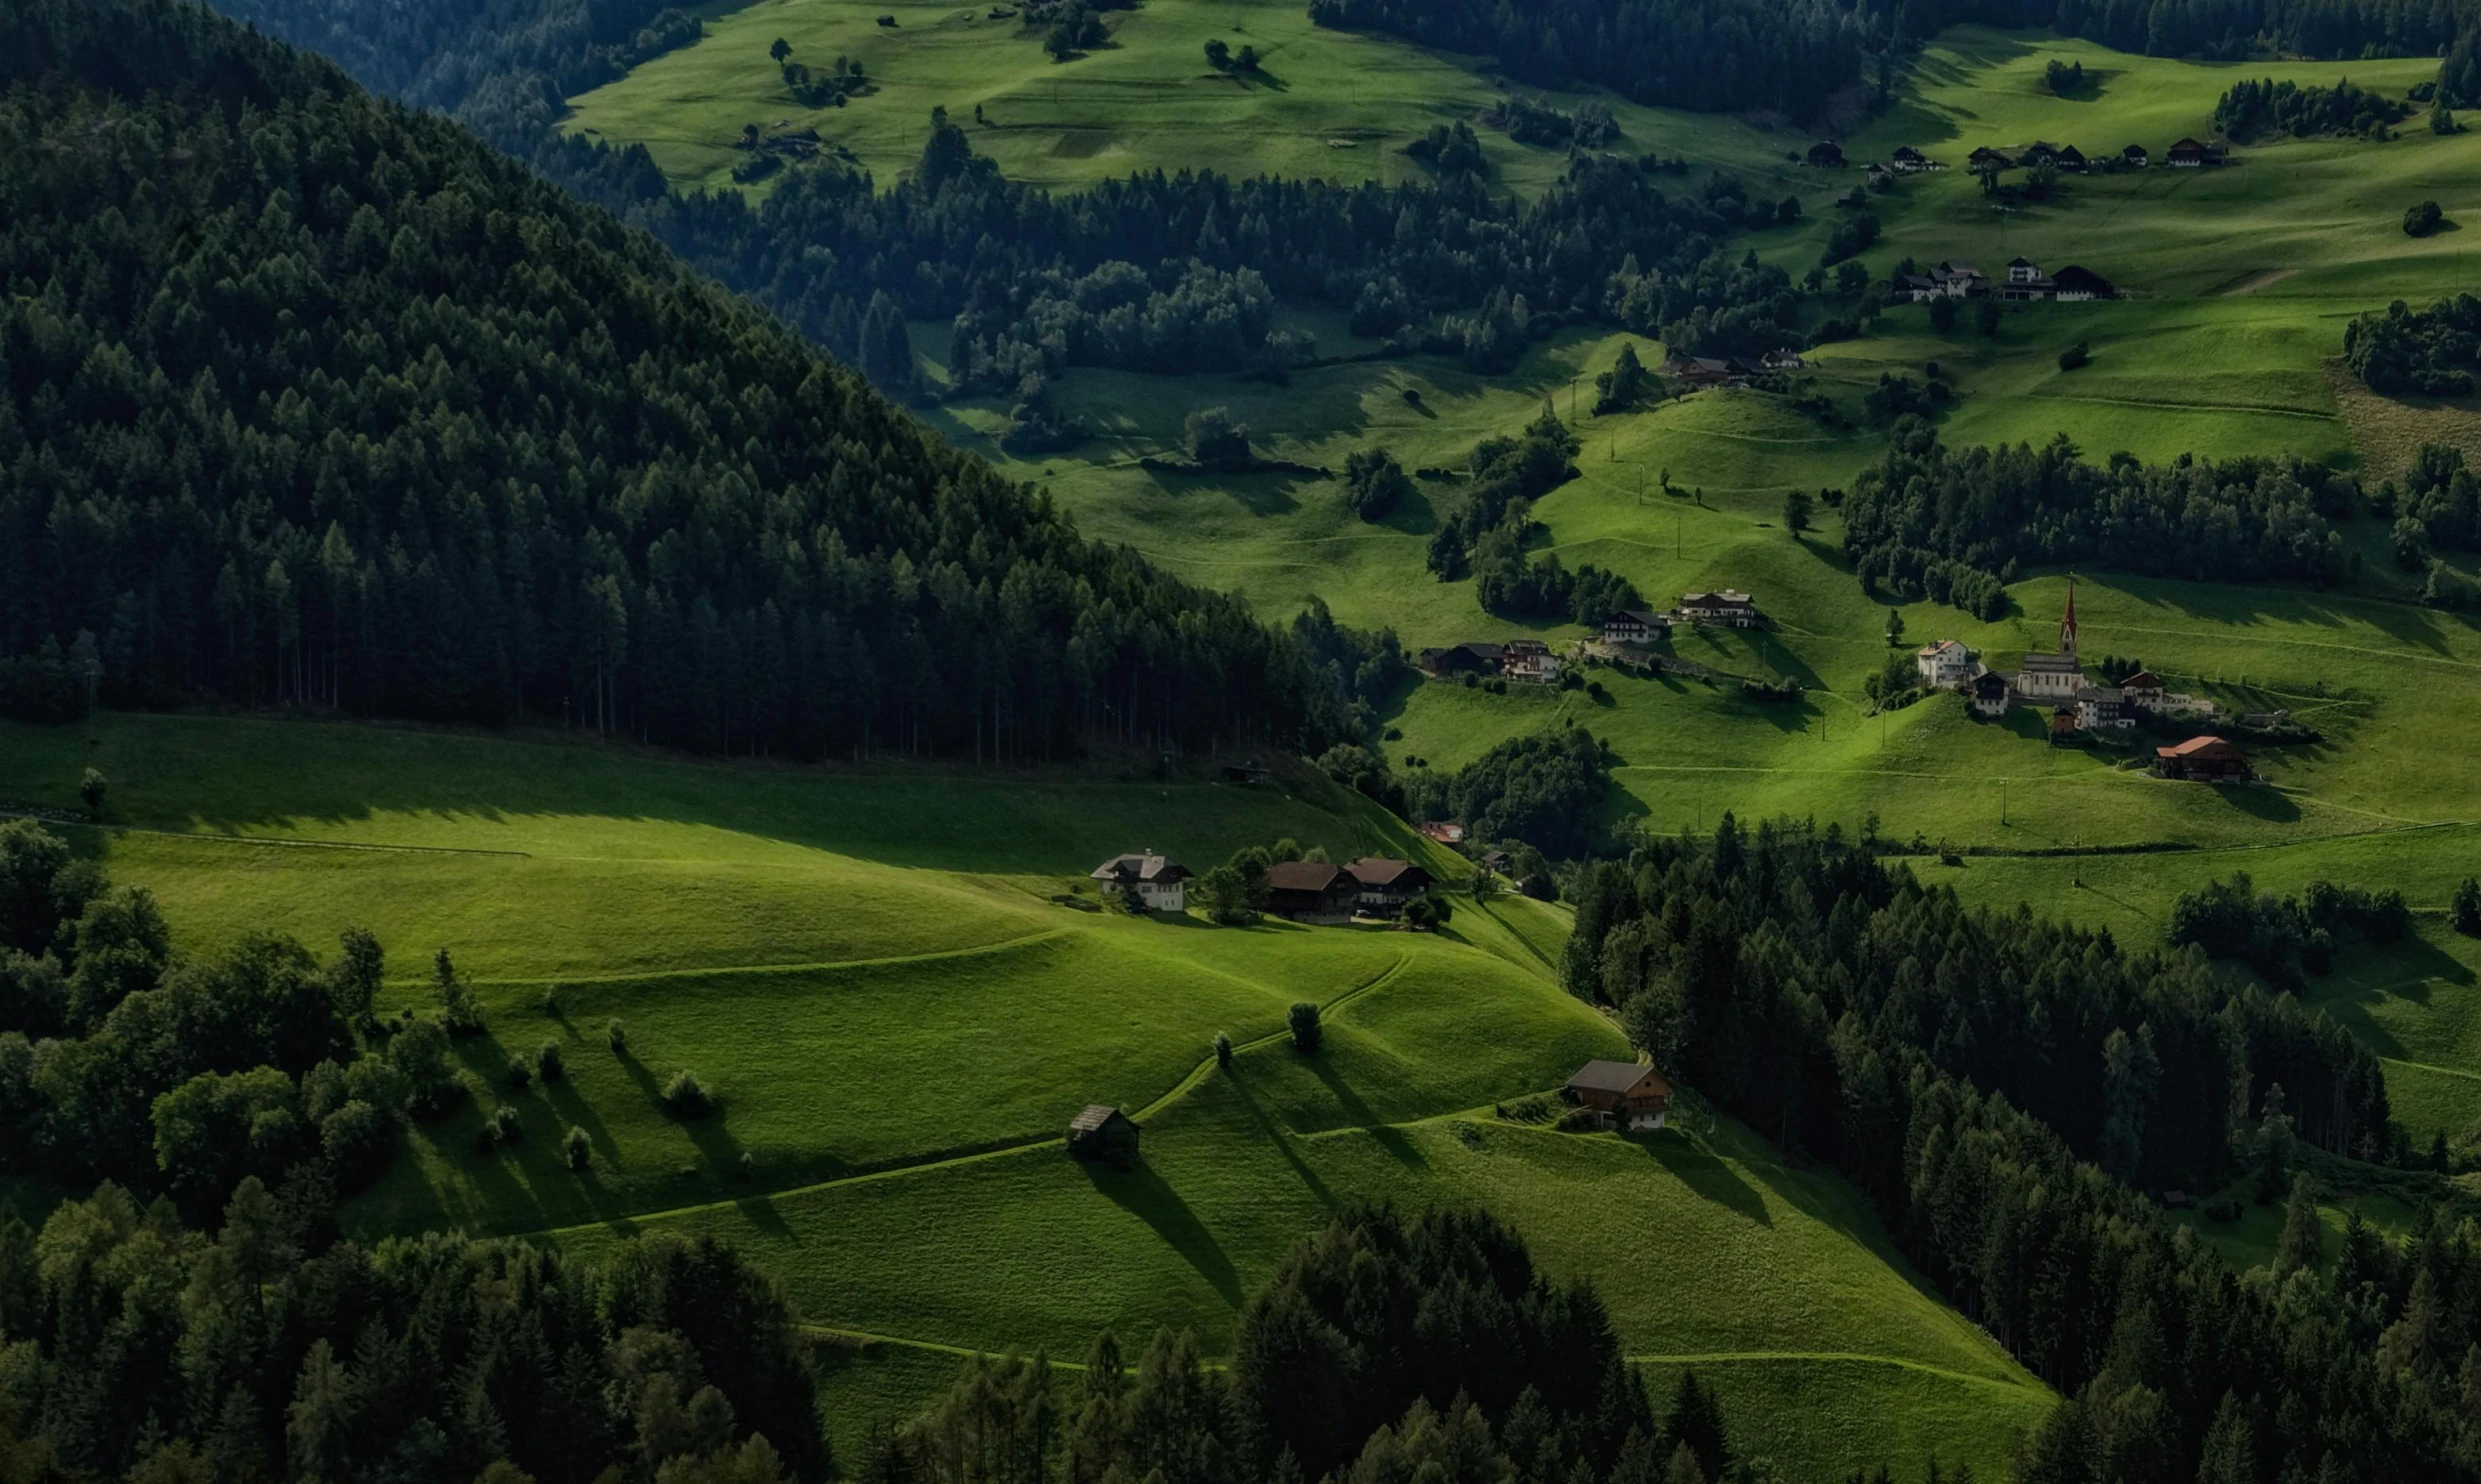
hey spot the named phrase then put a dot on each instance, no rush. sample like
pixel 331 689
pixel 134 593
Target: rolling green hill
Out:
pixel 898 1018
pixel 1326 103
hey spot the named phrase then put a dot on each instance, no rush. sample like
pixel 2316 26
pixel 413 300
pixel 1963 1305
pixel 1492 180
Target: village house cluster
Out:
pixel 2025 281
pixel 1533 662
pixel 1704 371
pixel 1301 891
pixel 2078 707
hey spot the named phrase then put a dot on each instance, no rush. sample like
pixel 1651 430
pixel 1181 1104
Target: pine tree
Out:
pixel 2303 1233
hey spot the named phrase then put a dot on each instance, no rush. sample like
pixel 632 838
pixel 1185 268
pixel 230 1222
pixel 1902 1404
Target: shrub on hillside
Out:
pixel 685 1097
pixel 547 1062
pixel 1307 1034
pixel 577 1150
pixel 2423 219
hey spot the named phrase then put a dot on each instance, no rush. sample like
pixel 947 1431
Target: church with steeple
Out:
pixel 2054 677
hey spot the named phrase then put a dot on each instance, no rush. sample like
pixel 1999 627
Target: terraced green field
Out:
pixel 872 972
pixel 1325 103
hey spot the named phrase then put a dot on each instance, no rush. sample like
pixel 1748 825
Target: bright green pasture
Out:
pixel 2386 683
pixel 1704 1247
pixel 1325 103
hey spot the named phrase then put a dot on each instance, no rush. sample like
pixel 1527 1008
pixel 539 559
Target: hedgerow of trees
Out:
pixel 305 400
pixel 2431 351
pixel 2251 110
pixel 1955 525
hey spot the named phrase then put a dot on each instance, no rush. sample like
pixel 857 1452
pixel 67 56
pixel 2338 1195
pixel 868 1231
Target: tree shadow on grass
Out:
pixel 1701 1170
pixel 1148 1197
pixel 1360 1115
pixel 1275 1135
pixel 2259 801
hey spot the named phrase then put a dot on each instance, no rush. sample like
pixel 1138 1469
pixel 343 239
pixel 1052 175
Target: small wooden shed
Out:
pixel 1104 1135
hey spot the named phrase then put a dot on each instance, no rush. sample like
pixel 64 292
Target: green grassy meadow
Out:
pixel 874 974
pixel 1324 103
pixel 871 967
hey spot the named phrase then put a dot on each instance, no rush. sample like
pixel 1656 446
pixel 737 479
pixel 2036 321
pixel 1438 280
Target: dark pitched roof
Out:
pixel 1141 867
pixel 2081 280
pixel 1378 870
pixel 2199 747
pixel 1617 1076
pixel 1637 616
pixel 1989 683
pixel 2069 153
pixel 1093 1118
pixel 2133 152
pixel 1907 152
pixel 1309 876
pixel 2142 680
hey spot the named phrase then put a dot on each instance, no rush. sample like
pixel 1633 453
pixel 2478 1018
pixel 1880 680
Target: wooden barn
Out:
pixel 1621 1093
pixel 1104 1135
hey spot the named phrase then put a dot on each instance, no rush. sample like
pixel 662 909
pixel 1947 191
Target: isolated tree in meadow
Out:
pixel 1986 316
pixel 1246 60
pixel 1796 507
pixel 547 1063
pixel 1223 1050
pixel 2423 219
pixel 1307 1033
pixel 1218 55
pixel 617 1036
pixel 576 1150
pixel 1895 626
pixel 1214 438
pixel 685 1097
pixel 2467 906
pixel 1943 314
pixel 780 51
pixel 91 790
pixel 1374 483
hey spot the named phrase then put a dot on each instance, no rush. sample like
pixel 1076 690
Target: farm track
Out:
pixel 946 1159
pixel 58 817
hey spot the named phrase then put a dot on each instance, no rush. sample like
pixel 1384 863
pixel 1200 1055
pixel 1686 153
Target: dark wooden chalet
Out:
pixel 1311 891
pixel 1386 885
pixel 1826 155
pixel 2202 760
pixel 1621 1093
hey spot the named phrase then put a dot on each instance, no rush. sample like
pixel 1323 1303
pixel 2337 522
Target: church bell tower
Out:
pixel 2067 625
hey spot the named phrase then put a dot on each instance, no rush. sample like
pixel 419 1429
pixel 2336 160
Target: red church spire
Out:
pixel 2067 626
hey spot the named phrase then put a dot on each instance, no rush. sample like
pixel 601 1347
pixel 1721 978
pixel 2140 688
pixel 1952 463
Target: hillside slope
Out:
pixel 309 400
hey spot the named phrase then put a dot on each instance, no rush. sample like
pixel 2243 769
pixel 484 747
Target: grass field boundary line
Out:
pixel 1206 1064
pixel 941 1159
pixel 909 1165
pixel 717 971
pixel 935 1347
pixel 2421 1066
pixel 48 816
pixel 2229 407
pixel 1839 1357
pixel 2185 850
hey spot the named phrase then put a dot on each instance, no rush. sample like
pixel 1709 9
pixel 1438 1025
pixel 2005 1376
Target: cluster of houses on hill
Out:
pixel 1533 662
pixel 1701 371
pixel 1302 891
pixel 2067 159
pixel 1956 279
pixel 1529 661
pixel 2078 707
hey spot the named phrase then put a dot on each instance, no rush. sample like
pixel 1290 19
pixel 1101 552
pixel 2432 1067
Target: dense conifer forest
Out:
pixel 1953 524
pixel 308 400
pixel 2002 1088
